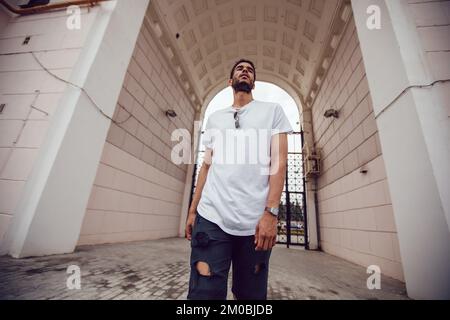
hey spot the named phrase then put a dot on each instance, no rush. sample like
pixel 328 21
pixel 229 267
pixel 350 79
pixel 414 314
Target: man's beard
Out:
pixel 241 86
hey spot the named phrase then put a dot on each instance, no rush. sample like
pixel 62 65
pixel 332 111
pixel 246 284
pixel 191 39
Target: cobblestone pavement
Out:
pixel 159 269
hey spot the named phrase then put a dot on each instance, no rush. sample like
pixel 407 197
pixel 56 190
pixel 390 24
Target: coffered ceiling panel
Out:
pixel 285 38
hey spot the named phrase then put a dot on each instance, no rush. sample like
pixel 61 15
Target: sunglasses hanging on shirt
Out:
pixel 236 120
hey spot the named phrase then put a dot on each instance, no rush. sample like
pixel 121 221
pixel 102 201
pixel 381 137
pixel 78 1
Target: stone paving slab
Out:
pixel 159 269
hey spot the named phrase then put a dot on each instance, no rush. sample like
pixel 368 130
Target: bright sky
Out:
pixel 263 91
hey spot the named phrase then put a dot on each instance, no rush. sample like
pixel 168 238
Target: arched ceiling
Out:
pixel 287 39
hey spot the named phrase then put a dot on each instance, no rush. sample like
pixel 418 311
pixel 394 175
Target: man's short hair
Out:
pixel 240 61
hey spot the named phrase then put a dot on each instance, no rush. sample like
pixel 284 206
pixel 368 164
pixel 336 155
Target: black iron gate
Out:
pixel 292 220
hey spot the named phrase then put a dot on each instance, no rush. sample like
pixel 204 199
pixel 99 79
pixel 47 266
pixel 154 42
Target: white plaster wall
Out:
pixel 30 93
pixel 355 211
pixel 138 191
pixel 414 135
pixel 50 211
pixel 432 21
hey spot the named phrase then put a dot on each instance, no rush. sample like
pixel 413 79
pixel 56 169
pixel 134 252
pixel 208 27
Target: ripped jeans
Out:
pixel 217 250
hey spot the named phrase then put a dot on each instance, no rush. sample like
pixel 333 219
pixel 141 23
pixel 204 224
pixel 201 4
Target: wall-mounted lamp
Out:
pixel 171 113
pixel 331 113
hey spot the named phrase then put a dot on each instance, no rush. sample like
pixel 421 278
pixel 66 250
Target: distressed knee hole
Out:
pixel 259 267
pixel 203 269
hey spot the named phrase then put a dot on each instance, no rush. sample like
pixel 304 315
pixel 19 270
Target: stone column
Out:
pixel 50 212
pixel 413 126
pixel 311 184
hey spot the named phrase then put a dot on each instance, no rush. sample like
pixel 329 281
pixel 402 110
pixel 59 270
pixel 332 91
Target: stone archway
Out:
pixel 291 43
pixel 321 54
pixel 288 41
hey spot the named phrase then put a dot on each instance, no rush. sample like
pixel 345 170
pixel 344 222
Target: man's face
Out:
pixel 243 78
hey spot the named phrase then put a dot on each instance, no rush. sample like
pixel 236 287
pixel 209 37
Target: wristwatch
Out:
pixel 272 211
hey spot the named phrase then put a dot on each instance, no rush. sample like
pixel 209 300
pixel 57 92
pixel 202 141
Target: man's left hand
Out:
pixel 266 232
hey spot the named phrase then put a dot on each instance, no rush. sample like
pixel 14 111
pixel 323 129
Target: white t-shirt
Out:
pixel 237 185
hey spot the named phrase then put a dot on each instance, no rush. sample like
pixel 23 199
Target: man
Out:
pixel 233 214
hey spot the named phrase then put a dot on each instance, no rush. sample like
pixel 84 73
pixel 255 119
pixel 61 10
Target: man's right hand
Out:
pixel 190 224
